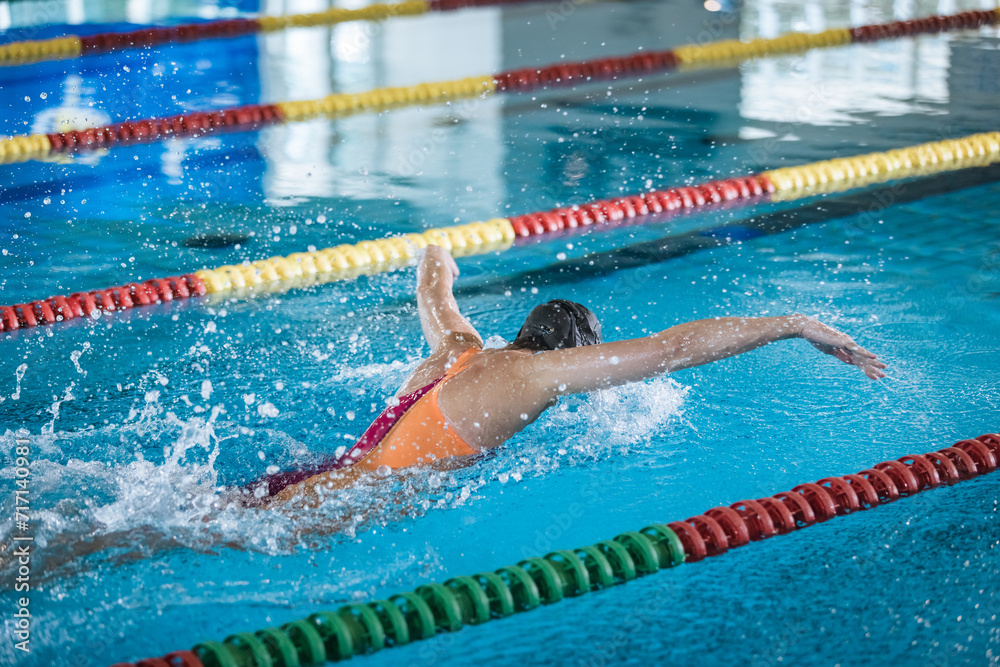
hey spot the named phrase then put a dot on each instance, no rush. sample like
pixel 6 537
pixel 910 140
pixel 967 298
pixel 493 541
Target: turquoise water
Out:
pixel 138 421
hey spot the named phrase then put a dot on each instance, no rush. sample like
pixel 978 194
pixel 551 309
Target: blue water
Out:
pixel 137 421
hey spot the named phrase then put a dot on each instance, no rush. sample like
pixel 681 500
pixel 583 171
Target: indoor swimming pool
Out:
pixel 139 420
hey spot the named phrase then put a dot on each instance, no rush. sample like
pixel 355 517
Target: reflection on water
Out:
pixel 851 84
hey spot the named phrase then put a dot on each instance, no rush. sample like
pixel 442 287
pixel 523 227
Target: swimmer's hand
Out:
pixel 828 340
pixel 435 255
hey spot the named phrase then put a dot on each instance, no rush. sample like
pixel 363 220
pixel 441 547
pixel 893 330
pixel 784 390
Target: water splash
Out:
pixel 157 481
pixel 19 374
pixel 494 343
pixel 54 408
pixel 75 358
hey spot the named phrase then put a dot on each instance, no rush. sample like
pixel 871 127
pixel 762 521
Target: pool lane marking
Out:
pixel 723 53
pixel 362 628
pixel 348 261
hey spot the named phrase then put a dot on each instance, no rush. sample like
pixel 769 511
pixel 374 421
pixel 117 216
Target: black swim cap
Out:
pixel 557 325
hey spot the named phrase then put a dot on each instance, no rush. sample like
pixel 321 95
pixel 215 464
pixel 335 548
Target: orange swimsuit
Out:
pixel 423 434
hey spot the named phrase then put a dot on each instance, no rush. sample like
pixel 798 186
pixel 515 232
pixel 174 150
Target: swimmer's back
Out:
pixel 493 398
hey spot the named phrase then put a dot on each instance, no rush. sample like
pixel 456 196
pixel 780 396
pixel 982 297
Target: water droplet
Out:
pixel 19 375
pixel 383 471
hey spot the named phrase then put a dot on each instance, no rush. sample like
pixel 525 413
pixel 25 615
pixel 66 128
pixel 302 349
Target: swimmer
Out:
pixel 463 400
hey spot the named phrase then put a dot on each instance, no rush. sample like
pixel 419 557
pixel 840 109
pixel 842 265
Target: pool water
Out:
pixel 138 421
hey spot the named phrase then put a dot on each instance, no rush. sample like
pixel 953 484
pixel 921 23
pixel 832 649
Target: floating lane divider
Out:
pixel 357 629
pixel 348 261
pixel 249 117
pixel 76 46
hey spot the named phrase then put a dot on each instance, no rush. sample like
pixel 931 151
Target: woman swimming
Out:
pixel 463 400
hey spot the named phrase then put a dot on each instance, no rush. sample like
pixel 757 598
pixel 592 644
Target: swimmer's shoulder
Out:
pixel 502 364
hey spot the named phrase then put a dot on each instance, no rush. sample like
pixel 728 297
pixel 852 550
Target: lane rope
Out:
pixel 253 116
pixel 347 261
pixel 361 628
pixel 76 46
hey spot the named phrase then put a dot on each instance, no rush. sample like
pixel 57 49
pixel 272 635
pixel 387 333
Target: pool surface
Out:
pixel 138 421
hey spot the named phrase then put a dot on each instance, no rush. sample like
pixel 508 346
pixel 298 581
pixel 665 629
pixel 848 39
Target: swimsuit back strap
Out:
pixel 460 364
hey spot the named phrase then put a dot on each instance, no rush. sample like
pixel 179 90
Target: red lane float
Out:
pixel 146 38
pixel 175 659
pixel 150 37
pixel 85 304
pixel 247 117
pixel 624 208
pixel 452 5
pixel 931 24
pixel 719 528
pixel 605 69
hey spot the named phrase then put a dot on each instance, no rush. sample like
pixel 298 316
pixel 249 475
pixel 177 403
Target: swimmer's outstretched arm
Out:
pixel 442 322
pixel 582 369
